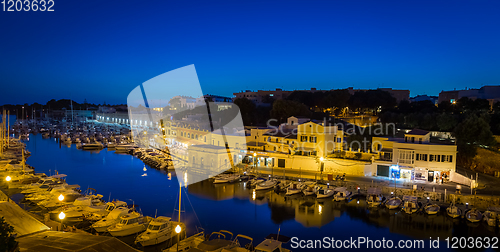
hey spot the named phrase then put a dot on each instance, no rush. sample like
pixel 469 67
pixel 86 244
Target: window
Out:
pixel 431 158
pixel 406 157
pixel 450 158
pixel 417 158
pixel 303 138
pixel 412 139
pixel 420 140
pixel 312 139
pixel 443 158
pixel 339 140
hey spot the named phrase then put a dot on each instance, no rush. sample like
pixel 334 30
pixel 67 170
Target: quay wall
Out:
pixel 330 165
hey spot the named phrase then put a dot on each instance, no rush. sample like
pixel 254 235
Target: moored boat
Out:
pixel 269 184
pixel 374 197
pixel 393 203
pixel 453 211
pixel 473 215
pixel 159 230
pixel 129 224
pixel 410 204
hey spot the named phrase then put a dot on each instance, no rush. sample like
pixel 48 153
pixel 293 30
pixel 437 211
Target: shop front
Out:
pixel 420 173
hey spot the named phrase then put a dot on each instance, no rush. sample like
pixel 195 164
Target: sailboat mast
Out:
pixel 180 191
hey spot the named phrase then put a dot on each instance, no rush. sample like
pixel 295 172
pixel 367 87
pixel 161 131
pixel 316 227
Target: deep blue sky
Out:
pixel 101 49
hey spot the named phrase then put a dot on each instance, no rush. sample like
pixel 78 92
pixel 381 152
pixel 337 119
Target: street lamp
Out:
pixel 61 217
pixel 8 178
pixel 178 231
pixel 61 197
pixel 255 160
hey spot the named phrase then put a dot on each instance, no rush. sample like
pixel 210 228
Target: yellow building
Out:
pixel 414 157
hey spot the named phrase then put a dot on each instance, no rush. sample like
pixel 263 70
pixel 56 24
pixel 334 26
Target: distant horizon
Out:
pixel 253 90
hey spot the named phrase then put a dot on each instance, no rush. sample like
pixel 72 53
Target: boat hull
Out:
pixel 126 231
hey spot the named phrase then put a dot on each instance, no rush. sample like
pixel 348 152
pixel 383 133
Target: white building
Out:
pixel 414 157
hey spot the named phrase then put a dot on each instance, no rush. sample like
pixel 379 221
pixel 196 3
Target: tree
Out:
pixel 247 110
pixel 335 99
pixel 472 132
pixel 7 239
pixel 446 122
pixel 283 109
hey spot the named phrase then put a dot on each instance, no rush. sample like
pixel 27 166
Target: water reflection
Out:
pixel 311 212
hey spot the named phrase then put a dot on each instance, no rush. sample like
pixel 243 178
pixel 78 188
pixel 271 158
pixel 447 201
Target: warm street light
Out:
pixel 8 178
pixel 61 217
pixel 60 198
pixel 178 231
pixel 321 159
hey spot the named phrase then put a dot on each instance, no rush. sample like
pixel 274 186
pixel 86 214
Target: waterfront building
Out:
pixel 414 157
pixel 490 93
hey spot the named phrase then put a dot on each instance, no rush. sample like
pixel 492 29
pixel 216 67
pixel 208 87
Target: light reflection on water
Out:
pixel 232 206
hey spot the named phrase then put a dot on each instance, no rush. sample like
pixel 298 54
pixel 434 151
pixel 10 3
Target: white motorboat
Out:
pixel 82 207
pixel 269 184
pixel 393 203
pixel 374 197
pixel 159 230
pixel 491 218
pixel 410 204
pixel 473 215
pixel 341 193
pixel 226 178
pixel 241 243
pixel 273 243
pixel 92 146
pixel 129 224
pixel 325 192
pixel 110 206
pixel 453 211
pixel 111 219
pixel 294 188
pixel 309 188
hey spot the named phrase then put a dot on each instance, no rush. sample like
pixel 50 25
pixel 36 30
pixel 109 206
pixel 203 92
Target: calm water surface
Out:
pixel 234 208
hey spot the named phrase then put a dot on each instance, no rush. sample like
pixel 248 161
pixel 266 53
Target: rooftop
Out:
pixel 418 132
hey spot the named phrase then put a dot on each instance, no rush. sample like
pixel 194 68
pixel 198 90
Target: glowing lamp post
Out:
pixel 61 217
pixel 61 197
pixel 178 231
pixel 255 161
pixel 8 178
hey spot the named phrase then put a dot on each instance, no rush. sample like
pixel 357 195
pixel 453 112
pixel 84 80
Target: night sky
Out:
pixel 100 50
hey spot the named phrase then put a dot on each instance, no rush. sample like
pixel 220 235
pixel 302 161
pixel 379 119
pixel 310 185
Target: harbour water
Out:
pixel 234 208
